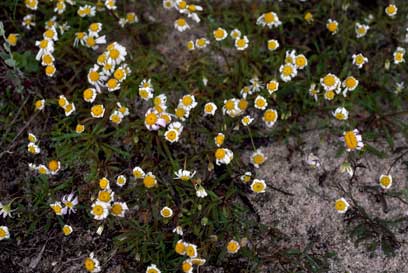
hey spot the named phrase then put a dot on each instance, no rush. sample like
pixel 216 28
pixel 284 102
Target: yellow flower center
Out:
pixel 49 34
pixel 219 33
pixel 340 205
pixel 97 210
pixel 220 154
pixel 181 22
pixel 232 247
pixel 119 74
pixel 94 76
pixel 2 233
pixel 385 181
pixel 43 44
pixel 350 82
pixel 112 83
pixel 258 159
pixel 114 53
pixel 208 108
pixel 329 80
pixel 151 119
pixel 117 209
pixel 258 187
pixel 269 17
pixel 269 116
pixel 104 196
pixel 50 69
pixel 53 165
pixel 88 94
pixel 180 112
pixel 287 70
pixel 89 264
pixel 332 27
pixel 350 139
pixel 149 181
pixel 241 43
pixel 97 110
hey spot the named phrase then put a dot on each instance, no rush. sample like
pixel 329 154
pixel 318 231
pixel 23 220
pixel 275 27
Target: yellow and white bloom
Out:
pixel 258 158
pixel 79 128
pixel 4 233
pixel 233 247
pixel 67 230
pixel 31 4
pixel 54 166
pixel 219 139
pixel 12 39
pixel 191 250
pixel 92 264
pixel 270 116
pixel 330 82
pixel 86 10
pixel 391 10
pixel 359 60
pixel 300 61
pixel 258 185
pixel 241 43
pixel 116 53
pixel 385 181
pixel 361 30
pixel 184 175
pixel 138 172
pixel 209 109
pixel 97 111
pixel 121 180
pixel 235 34
pixel 220 34
pixel 187 266
pixel 110 4
pixel 332 26
pixel 58 209
pixel 45 47
pixel 273 45
pixel 398 55
pixel 28 21
pixel 260 103
pixel 223 156
pixel 119 209
pixel 181 24
pixel 246 177
pixel 349 84
pixel 272 86
pixel 172 135
pixel 353 140
pixel 70 201
pixel 100 210
pixel 166 212
pixel 341 205
pixel 116 117
pixel 89 95
pixel 288 71
pixel 106 196
pixel 269 19
pixel 201 43
pixel 341 113
pixel 33 148
pixel 149 180
pixel 153 121
pixel 39 105
pixel 152 269
pixel 188 102
pixel 247 120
